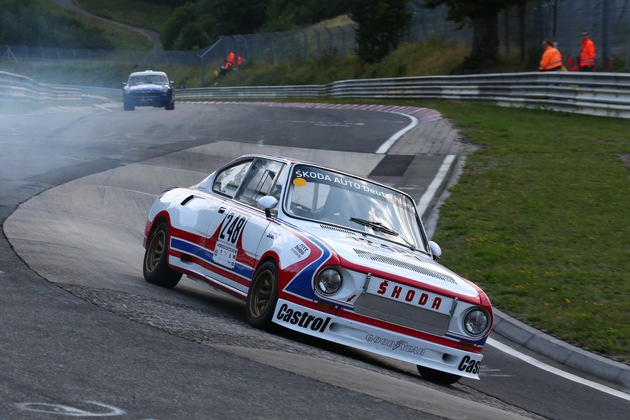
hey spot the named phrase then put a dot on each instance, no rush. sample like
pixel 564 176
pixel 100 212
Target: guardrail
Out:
pixel 603 94
pixel 14 87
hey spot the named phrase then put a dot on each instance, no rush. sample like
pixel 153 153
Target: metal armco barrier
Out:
pixel 601 94
pixel 14 87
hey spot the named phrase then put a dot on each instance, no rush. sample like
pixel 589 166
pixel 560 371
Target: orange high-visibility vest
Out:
pixel 551 59
pixel 587 57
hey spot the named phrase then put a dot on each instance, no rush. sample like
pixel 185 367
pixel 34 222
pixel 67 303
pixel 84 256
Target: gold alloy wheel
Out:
pixel 261 293
pixel 156 250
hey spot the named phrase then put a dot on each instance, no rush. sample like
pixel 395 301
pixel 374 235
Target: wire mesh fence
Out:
pixel 521 32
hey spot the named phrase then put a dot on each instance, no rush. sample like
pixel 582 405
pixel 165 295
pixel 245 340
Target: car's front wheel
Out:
pixel 128 106
pixel 155 266
pixel 263 296
pixel 170 106
pixel 438 376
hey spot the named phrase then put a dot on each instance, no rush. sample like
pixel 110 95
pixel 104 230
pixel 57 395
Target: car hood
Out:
pixel 413 268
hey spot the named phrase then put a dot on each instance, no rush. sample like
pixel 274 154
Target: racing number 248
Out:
pixel 232 227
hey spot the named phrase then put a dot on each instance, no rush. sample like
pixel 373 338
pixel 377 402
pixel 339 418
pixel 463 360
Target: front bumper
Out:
pixel 377 340
pixel 148 99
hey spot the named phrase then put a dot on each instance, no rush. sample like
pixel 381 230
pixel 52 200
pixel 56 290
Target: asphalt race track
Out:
pixel 83 335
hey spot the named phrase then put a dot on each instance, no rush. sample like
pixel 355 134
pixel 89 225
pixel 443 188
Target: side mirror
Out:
pixel 267 203
pixel 436 251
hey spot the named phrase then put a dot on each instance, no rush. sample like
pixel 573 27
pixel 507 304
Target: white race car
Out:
pixel 325 253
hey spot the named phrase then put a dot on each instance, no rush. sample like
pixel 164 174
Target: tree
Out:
pixel 231 17
pixel 483 15
pixel 381 25
pixel 173 27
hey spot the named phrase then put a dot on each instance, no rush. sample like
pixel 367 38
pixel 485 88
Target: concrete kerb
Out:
pixel 561 352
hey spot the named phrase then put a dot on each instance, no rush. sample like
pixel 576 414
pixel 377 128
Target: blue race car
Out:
pixel 148 88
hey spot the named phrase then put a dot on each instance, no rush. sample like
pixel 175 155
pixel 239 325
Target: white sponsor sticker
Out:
pixel 225 254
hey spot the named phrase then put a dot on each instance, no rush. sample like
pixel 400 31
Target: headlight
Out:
pixel 329 281
pixel 476 321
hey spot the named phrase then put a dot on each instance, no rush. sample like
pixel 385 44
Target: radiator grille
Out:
pixel 402 314
pixel 145 94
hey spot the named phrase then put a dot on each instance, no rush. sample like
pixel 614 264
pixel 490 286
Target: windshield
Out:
pixel 158 79
pixel 326 196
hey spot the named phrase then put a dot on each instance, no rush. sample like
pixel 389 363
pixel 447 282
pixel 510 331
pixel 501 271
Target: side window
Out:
pixel 228 181
pixel 260 181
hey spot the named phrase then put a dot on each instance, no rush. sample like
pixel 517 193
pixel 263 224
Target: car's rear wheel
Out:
pixel 438 376
pixel 155 266
pixel 262 296
pixel 128 107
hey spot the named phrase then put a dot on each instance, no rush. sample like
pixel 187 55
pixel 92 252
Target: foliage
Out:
pixel 184 30
pixel 286 15
pixel 381 24
pixel 418 59
pixel 195 24
pixel 213 18
pixel 483 15
pixel 230 17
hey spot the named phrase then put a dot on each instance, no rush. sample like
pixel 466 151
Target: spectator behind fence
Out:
pixel 587 56
pixel 551 58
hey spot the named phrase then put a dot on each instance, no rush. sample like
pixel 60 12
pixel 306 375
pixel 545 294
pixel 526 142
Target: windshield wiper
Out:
pixel 379 227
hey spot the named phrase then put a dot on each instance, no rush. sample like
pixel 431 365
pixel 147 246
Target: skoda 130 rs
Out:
pixel 325 253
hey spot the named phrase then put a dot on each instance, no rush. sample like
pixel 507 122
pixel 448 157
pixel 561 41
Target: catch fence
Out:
pixel 521 31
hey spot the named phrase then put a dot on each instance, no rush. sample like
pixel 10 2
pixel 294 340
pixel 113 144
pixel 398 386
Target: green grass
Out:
pixel 540 219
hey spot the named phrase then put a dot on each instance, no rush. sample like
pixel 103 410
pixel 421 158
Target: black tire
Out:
pixel 128 106
pixel 155 265
pixel 263 296
pixel 170 106
pixel 437 376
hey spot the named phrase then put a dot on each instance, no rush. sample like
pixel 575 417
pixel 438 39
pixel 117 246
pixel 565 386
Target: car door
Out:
pixel 240 225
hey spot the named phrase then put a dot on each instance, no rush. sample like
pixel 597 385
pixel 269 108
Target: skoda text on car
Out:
pixel 325 253
pixel 148 88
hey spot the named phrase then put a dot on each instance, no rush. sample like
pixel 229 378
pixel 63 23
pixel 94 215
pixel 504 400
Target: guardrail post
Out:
pixel 330 37
pixel 305 44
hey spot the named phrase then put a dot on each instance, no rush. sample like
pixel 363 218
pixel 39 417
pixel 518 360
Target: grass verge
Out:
pixel 539 219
